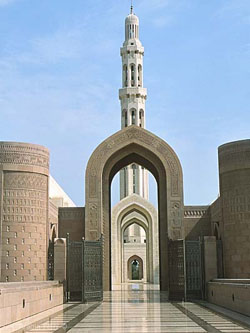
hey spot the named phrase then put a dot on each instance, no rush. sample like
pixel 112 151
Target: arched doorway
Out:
pixel 136 245
pixel 135 268
pixel 135 209
pixel 134 145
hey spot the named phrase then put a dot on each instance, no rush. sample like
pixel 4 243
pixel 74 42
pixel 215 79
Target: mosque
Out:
pixel 183 250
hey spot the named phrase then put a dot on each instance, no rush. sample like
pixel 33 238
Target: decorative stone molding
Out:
pixel 68 213
pixel 196 213
pixel 24 154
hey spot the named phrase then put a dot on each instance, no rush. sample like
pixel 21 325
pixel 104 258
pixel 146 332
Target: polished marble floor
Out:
pixel 136 308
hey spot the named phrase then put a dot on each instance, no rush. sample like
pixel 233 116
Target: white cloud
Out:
pixel 6 2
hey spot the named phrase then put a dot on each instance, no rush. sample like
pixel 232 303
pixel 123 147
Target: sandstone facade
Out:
pixel 24 172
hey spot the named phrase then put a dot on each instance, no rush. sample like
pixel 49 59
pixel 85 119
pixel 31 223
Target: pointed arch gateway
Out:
pixel 135 209
pixel 134 144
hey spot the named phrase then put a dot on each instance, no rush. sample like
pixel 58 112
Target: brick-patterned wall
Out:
pixel 234 164
pixel 24 212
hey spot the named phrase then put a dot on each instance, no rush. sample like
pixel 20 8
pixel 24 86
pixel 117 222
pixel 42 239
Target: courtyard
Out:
pixel 134 308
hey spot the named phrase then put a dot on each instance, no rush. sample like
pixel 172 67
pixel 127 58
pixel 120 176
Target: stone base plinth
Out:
pixel 21 300
pixel 233 294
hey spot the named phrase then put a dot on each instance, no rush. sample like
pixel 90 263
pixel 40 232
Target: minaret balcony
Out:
pixel 132 48
pixel 127 92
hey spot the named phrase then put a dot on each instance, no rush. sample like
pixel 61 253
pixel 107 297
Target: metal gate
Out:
pixel 185 270
pixel 74 270
pixel 92 271
pixel 51 261
pixel 84 271
pixel 176 270
pixel 194 269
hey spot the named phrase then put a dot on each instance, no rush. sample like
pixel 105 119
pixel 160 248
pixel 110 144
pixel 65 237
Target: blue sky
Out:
pixel 60 71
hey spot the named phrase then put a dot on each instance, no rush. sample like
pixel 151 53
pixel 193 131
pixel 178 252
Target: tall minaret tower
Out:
pixel 133 178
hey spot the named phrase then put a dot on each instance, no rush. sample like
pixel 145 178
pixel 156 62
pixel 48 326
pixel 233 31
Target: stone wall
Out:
pixel 196 222
pixel 72 221
pixel 234 168
pixel 22 300
pixel 231 294
pixel 216 219
pixel 24 170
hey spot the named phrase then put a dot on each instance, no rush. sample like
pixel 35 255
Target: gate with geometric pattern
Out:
pixel 84 271
pixel 92 271
pixel 194 270
pixel 176 270
pixel 185 270
pixel 74 271
pixel 51 261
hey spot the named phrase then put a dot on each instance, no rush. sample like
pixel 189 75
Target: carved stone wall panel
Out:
pixel 234 166
pixel 25 180
pixel 25 208
pixel 24 154
pixel 24 214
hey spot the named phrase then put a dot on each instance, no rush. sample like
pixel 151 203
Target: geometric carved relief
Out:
pixel 24 197
pixel 71 213
pixel 24 194
pixel 176 217
pixel 93 216
pixel 21 180
pixel 235 199
pixel 145 138
pixel 24 154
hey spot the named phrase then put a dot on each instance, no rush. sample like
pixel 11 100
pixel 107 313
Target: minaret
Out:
pixel 133 178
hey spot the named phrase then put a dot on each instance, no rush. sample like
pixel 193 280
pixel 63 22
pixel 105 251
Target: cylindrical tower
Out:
pixel 24 176
pixel 133 178
pixel 234 169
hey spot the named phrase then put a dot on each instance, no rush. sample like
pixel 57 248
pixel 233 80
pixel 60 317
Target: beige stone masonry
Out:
pixel 21 300
pixel 134 145
pixel 233 294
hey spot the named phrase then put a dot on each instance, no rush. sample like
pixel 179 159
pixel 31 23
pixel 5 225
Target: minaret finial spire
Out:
pixel 131 11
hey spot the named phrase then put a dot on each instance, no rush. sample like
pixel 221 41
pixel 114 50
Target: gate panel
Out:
pixel 74 271
pixel 176 270
pixel 92 271
pixel 193 269
pixel 51 261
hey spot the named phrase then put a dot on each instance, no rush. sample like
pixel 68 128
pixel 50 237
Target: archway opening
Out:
pixel 134 224
pixel 134 145
pixel 134 253
pixel 156 174
pixel 135 268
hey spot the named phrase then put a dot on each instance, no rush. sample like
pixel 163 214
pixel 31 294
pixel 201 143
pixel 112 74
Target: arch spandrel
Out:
pixel 134 144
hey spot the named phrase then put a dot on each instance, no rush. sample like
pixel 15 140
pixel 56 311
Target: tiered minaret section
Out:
pixel 133 178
